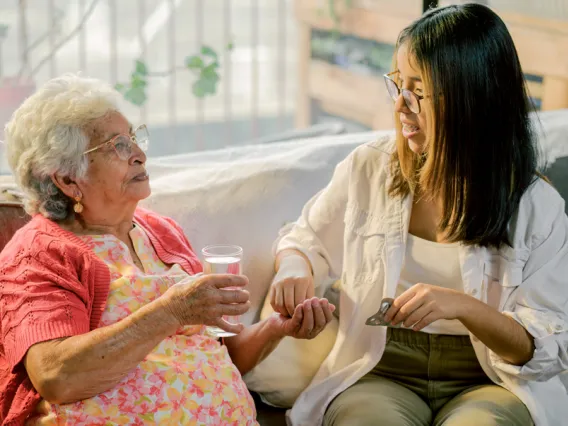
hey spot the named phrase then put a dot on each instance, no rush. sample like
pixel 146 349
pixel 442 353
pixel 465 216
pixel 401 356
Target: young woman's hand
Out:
pixel 309 319
pixel 422 304
pixel 292 285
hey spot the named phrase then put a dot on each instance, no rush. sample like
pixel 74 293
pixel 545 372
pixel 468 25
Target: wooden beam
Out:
pixel 376 23
pixel 303 100
pixel 363 96
pixel 535 89
pixel 555 93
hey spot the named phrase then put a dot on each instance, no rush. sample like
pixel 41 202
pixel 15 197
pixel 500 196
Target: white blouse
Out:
pixel 355 231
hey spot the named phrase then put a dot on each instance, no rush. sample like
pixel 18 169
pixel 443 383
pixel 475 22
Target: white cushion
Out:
pixel 285 373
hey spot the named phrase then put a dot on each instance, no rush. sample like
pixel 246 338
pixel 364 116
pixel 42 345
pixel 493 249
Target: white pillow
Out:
pixel 290 368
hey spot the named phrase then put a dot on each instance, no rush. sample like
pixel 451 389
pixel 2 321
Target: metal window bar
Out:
pixel 254 68
pixel 52 28
pixel 281 63
pixel 200 107
pixel 142 41
pixel 172 67
pixel 82 40
pixel 227 72
pixel 113 39
pixel 22 11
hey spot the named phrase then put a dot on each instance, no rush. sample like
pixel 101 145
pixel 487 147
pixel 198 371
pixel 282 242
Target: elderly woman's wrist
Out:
pixel 165 314
pixel 273 327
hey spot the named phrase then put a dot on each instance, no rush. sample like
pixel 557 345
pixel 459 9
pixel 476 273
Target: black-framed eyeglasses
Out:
pixel 123 143
pixel 411 99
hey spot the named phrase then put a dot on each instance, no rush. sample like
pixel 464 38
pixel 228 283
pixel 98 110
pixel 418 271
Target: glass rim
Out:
pixel 232 250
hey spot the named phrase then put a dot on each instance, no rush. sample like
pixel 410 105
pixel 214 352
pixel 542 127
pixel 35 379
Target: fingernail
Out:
pixel 315 303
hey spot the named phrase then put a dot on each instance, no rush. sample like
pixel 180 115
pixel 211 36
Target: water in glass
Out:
pixel 222 259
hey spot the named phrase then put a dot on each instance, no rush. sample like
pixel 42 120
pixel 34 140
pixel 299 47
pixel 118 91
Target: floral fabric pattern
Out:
pixel 188 379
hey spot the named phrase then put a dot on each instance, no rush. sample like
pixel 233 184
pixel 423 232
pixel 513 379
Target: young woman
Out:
pixel 453 223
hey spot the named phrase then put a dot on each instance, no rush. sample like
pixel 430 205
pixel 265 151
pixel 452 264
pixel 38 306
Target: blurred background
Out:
pixel 207 74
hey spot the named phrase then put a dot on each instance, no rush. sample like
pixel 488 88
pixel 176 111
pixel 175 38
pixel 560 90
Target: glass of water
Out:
pixel 222 259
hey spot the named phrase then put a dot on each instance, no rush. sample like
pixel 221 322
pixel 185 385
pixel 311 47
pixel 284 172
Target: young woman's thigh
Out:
pixel 487 405
pixel 376 400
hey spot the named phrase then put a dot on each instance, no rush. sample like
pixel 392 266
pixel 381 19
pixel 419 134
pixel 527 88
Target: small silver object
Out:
pixel 379 318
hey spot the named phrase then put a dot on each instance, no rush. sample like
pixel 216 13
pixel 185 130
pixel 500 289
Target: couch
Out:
pixel 246 195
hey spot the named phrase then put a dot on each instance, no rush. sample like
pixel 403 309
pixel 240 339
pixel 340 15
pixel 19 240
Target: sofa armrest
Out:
pixel 12 218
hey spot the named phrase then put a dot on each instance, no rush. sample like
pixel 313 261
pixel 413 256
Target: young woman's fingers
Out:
pixel 279 298
pixel 427 320
pixel 417 315
pixel 289 300
pixel 300 293
pixel 406 310
pixel 399 302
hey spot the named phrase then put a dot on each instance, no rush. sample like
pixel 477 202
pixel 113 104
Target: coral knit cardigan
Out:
pixel 51 286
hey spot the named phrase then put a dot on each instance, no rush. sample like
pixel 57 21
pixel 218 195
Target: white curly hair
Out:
pixel 46 135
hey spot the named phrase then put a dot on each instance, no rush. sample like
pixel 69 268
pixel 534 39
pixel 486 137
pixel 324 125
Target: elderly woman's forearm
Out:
pixel 79 367
pixel 252 345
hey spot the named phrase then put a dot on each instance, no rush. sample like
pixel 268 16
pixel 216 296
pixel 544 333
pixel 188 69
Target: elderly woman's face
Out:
pixel 110 180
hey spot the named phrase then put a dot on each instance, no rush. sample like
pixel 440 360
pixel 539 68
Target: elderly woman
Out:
pixel 103 304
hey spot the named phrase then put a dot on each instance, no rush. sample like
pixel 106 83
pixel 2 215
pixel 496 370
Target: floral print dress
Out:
pixel 188 379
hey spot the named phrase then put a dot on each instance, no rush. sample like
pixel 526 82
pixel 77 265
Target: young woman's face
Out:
pixel 414 127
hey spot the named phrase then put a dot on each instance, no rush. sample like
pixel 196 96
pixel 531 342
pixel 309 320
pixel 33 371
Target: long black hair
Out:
pixel 481 154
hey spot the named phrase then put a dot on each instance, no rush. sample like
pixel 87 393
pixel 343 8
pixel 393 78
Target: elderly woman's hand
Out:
pixel 309 319
pixel 207 299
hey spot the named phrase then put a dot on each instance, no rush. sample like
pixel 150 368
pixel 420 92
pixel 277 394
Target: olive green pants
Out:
pixel 426 379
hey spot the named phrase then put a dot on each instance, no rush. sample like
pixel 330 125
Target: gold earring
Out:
pixel 78 207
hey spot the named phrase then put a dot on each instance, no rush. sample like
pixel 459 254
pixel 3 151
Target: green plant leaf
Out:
pixel 209 85
pixel 194 62
pixel 138 81
pixel 141 68
pixel 230 46
pixel 198 89
pixel 210 72
pixel 119 87
pixel 208 51
pixel 135 95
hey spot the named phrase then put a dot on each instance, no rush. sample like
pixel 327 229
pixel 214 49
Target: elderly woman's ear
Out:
pixel 67 185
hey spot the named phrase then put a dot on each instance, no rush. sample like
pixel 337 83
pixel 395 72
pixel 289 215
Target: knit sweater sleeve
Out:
pixel 41 291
